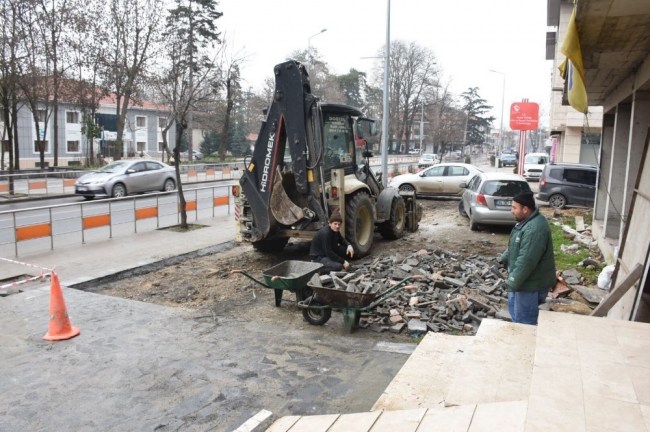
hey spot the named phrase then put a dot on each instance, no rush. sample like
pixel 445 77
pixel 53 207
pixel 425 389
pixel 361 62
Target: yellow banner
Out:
pixel 574 71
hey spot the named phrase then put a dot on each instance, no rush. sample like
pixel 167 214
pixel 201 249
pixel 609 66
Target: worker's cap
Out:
pixel 526 199
pixel 336 216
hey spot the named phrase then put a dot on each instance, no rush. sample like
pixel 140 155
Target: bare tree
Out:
pixel 413 72
pixel 132 33
pixel 12 54
pixel 191 76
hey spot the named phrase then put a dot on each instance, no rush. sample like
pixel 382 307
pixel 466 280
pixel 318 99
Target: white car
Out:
pixel 438 180
pixel 428 159
pixel 534 165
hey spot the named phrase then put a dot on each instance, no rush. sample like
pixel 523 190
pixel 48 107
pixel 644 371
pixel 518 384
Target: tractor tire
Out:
pixel 273 245
pixel 393 228
pixel 360 223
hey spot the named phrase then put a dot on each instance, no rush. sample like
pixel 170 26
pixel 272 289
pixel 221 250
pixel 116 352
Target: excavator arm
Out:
pixel 292 124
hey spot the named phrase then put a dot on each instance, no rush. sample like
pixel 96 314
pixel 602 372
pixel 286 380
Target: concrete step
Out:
pixel 497 366
pixel 425 378
pixel 493 366
pixel 590 374
pixel 502 416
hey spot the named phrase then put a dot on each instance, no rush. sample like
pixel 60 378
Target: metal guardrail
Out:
pixel 44 183
pixel 44 228
pixel 60 183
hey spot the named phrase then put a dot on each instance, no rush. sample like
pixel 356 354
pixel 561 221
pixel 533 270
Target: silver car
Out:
pixel 124 177
pixel 488 196
pixel 438 180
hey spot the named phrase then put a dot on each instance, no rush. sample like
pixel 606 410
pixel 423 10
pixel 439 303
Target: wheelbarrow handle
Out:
pixel 249 277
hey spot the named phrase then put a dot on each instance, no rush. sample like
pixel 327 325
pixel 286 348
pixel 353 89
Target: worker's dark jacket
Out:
pixel 529 257
pixel 327 243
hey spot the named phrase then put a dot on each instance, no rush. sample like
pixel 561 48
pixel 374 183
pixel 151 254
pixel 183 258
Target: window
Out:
pixel 555 173
pixel 457 171
pixel 72 146
pixel 474 182
pixel 505 188
pixel 41 115
pixel 5 146
pixel 72 117
pixel 141 146
pixel 161 146
pixel 162 122
pixel 46 146
pixel 153 166
pixel 140 121
pixel 435 172
pixel 586 177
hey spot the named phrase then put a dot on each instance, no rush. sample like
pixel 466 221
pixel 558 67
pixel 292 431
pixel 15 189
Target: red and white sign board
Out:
pixel 524 116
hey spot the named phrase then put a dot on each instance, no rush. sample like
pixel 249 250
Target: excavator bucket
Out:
pixel 282 208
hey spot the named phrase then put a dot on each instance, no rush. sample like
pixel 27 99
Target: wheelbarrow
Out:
pixel 317 309
pixel 288 275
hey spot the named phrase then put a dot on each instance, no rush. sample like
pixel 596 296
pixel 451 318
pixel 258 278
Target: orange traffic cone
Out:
pixel 60 327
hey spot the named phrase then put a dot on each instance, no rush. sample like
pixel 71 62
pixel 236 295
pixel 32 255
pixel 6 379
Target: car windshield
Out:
pixel 536 160
pixel 508 156
pixel 114 167
pixel 505 188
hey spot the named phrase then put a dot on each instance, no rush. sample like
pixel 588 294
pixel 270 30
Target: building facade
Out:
pixel 615 50
pixel 142 135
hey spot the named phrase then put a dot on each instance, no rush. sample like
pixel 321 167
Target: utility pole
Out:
pixel 384 124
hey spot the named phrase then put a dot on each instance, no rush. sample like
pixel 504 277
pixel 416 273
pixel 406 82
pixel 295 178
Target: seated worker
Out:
pixel 329 248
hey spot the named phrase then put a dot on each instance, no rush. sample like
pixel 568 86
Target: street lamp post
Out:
pixel 384 121
pixel 313 36
pixel 503 96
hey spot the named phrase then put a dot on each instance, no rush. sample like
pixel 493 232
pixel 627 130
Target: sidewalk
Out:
pixel 76 264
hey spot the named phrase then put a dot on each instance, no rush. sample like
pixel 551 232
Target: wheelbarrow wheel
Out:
pixel 317 316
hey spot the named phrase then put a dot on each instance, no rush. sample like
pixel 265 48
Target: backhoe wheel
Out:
pixel 360 223
pixel 394 227
pixel 271 245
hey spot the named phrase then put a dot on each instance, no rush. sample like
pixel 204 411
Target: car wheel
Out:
pixel 461 209
pixel 169 185
pixel 118 191
pixel 472 225
pixel 557 201
pixel 406 188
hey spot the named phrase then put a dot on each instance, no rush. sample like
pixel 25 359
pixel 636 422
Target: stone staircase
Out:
pixel 570 373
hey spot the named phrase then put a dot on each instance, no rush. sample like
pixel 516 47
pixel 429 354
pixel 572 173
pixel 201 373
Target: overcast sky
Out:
pixel 468 37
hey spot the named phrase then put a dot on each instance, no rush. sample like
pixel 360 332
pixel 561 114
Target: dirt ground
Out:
pixel 209 284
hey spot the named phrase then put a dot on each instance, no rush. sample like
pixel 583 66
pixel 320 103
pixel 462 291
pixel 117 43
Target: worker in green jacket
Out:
pixel 529 259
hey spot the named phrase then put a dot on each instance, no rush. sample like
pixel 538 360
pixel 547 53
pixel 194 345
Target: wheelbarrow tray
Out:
pixel 336 298
pixel 290 275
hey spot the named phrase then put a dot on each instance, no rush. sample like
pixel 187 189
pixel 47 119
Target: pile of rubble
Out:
pixel 440 291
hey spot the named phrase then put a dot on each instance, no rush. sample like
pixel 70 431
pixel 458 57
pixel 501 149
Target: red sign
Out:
pixel 524 116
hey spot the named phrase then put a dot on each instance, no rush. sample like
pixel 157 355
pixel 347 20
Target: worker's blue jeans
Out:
pixel 524 305
pixel 329 265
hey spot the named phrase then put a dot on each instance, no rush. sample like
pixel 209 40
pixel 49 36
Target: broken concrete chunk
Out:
pixel 417 326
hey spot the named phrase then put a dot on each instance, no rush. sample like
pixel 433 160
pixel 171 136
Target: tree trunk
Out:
pixel 177 157
pixel 226 123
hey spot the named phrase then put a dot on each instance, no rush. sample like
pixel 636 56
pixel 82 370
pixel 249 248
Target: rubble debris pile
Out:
pixel 446 291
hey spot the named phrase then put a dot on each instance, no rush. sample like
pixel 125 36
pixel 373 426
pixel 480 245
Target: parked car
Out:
pixel 428 159
pixel 437 180
pixel 508 159
pixel 197 155
pixel 487 198
pixel 534 164
pixel 124 177
pixel 568 184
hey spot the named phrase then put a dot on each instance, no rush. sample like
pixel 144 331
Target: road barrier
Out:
pixel 41 228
